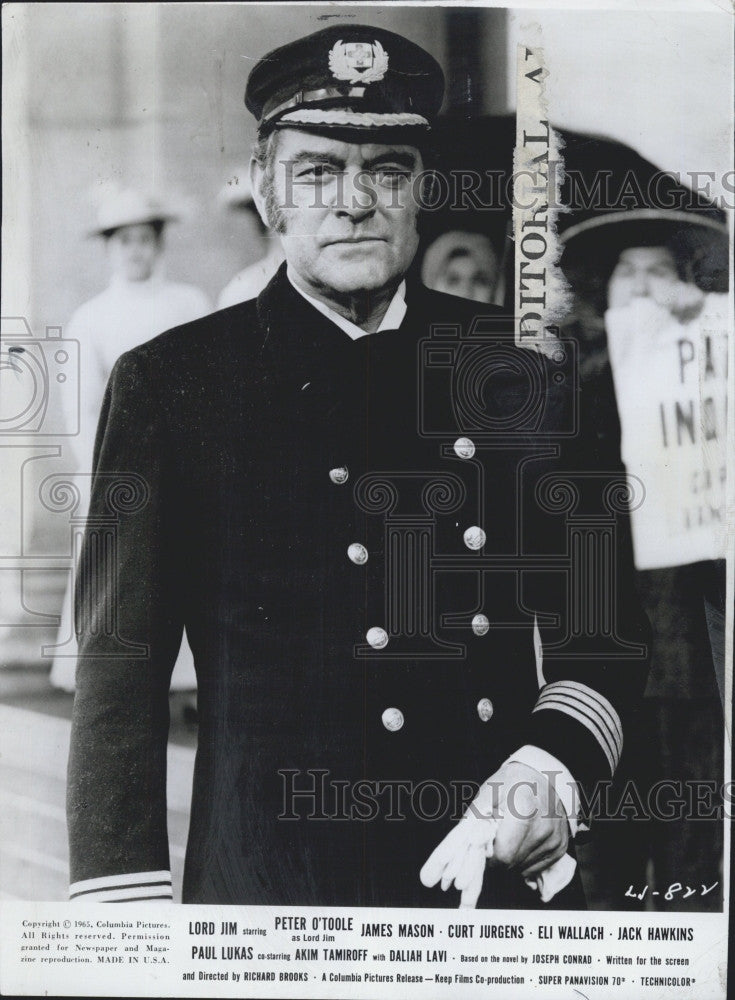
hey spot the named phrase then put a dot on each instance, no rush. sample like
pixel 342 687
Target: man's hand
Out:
pixel 515 819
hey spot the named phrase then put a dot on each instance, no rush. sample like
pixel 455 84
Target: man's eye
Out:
pixel 391 175
pixel 316 172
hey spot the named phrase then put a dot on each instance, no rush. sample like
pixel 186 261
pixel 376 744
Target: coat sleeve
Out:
pixel 594 635
pixel 129 627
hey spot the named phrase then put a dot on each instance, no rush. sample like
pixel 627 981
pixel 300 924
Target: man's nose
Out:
pixel 358 196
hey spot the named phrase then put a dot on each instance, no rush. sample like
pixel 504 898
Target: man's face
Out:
pixel 133 251
pixel 467 276
pixel 345 210
pixel 642 272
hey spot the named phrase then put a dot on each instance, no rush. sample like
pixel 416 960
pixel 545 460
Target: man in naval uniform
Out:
pixel 358 576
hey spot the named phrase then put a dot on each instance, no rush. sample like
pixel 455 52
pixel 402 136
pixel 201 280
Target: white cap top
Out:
pixel 129 207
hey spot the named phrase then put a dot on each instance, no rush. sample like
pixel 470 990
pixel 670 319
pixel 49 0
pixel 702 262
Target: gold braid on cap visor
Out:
pixel 359 119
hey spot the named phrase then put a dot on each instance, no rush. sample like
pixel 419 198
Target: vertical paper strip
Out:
pixel 541 295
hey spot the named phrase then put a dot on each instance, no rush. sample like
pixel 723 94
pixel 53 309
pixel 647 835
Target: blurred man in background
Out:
pixel 138 303
pixel 246 284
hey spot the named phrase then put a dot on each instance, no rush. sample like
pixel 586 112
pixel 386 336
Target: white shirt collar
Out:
pixel 391 321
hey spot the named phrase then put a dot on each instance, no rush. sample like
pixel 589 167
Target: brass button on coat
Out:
pixel 464 447
pixel 480 625
pixel 377 637
pixel 339 475
pixel 474 538
pixel 485 709
pixel 393 719
pixel 358 553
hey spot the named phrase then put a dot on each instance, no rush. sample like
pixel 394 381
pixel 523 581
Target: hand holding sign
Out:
pixel 669 365
pixel 680 298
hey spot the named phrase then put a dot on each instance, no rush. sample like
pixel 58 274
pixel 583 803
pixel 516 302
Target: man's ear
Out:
pixel 256 185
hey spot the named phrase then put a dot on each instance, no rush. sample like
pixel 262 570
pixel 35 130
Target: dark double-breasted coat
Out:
pixel 238 459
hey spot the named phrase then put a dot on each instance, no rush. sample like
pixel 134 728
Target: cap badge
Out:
pixel 358 62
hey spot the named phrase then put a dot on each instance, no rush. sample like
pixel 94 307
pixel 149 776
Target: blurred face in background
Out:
pixel 468 277
pixel 134 250
pixel 642 272
pixel 463 264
